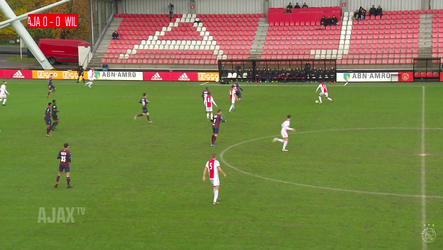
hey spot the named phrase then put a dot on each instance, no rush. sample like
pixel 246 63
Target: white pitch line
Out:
pixel 320 187
pixel 423 165
pixel 204 83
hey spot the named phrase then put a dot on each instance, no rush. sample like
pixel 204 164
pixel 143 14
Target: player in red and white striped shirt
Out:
pixel 233 95
pixel 209 100
pixel 323 91
pixel 213 167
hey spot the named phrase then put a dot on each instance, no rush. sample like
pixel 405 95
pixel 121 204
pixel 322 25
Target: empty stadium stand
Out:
pixel 396 38
pixel 153 39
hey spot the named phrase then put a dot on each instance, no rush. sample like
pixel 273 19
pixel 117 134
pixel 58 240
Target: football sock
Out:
pixel 55 124
pixel 139 115
pixel 215 195
pixel 212 117
pixel 330 99
pixel 207 115
pixel 212 140
pixel 147 117
pixel 280 140
pixel 319 98
pixel 49 93
pixel 68 180
pixel 284 144
pixel 48 130
pixel 4 101
pixel 58 178
pixel 232 107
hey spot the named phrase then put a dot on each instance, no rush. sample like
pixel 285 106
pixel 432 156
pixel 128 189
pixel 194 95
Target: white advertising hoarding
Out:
pixel 118 75
pixel 368 77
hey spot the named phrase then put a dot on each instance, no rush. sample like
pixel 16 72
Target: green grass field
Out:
pixel 353 177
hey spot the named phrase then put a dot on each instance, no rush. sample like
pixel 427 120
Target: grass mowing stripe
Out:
pixel 423 195
pixel 423 165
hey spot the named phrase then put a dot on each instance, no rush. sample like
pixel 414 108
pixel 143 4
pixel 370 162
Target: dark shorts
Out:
pixel 67 169
pixel 145 110
pixel 54 117
pixel 48 121
pixel 51 87
pixel 215 130
pixel 238 93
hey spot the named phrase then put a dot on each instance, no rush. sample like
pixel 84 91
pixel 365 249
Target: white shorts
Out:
pixel 233 101
pixel 209 109
pixel 2 96
pixel 215 181
pixel 284 134
pixel 324 93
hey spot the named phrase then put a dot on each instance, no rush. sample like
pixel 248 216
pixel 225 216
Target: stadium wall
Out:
pixel 436 4
pixel 258 6
pixel 352 5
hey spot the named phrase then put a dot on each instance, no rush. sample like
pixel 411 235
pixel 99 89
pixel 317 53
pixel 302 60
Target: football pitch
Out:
pixel 364 172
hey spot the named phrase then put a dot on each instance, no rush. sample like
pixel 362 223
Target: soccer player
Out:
pixel 237 91
pixel 213 167
pixel 216 126
pixel 209 100
pixel 144 101
pixel 323 91
pixel 80 73
pixel 65 158
pixel 50 86
pixel 90 77
pixel 233 98
pixel 284 133
pixel 48 120
pixel 54 112
pixel 3 93
pixel 205 93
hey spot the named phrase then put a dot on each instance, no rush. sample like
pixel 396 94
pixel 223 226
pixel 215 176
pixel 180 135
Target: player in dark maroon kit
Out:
pixel 65 158
pixel 237 91
pixel 216 125
pixel 144 101
pixel 48 120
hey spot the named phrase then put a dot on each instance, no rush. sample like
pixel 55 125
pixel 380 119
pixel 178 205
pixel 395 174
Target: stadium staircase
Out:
pixel 259 39
pixel 96 60
pixel 425 36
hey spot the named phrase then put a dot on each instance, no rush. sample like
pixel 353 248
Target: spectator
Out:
pixel 328 21
pixel 379 11
pixel 258 75
pixel 356 15
pixel 334 20
pixel 115 35
pixel 332 74
pixel 305 6
pixel 249 77
pixel 362 13
pixel 297 6
pixel 289 6
pixel 171 11
pixel 296 74
pixel 372 11
pixel 288 10
pixel 323 21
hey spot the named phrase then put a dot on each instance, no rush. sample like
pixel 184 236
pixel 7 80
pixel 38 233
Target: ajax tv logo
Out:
pixel 428 234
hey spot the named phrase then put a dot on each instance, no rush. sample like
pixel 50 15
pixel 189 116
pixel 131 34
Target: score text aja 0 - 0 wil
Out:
pixel 63 21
